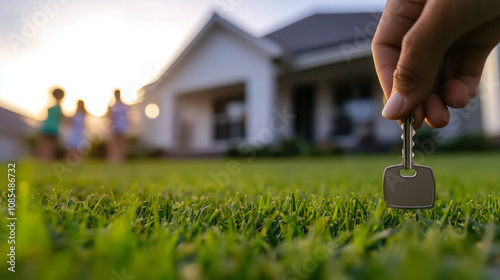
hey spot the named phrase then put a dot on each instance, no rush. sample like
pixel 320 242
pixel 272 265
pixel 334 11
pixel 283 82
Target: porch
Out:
pixel 337 105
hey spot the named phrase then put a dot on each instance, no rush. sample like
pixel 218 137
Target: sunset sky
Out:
pixel 91 47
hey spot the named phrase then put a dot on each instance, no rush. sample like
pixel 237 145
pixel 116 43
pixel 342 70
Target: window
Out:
pixel 230 118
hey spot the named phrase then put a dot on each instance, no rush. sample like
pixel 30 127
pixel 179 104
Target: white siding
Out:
pixel 323 113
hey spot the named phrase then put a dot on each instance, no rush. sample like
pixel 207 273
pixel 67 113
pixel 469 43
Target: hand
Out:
pixel 430 54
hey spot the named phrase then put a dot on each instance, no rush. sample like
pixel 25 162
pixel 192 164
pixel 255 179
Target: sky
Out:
pixel 91 47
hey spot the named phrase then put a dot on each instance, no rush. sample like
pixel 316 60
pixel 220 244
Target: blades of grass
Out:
pixel 446 214
pixel 359 204
pixel 98 202
pixel 57 199
pixel 422 219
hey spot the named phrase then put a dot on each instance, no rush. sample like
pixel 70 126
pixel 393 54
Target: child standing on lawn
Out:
pixel 50 128
pixel 118 113
pixel 76 139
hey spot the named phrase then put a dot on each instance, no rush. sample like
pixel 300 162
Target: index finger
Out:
pixel 398 17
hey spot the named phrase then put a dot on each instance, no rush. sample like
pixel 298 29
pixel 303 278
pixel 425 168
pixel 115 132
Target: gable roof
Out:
pixel 267 46
pixel 325 30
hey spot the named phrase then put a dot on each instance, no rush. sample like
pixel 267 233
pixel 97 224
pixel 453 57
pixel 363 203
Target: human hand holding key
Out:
pixel 409 191
pixel 429 55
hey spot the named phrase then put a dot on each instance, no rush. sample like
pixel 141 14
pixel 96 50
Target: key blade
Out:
pixel 416 192
pixel 408 144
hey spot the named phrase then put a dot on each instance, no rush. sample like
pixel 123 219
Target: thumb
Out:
pixel 422 53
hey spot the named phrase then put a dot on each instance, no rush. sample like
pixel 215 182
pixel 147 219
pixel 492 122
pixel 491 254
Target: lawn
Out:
pixel 307 218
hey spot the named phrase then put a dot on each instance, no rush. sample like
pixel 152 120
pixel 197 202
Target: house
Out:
pixel 15 129
pixel 312 79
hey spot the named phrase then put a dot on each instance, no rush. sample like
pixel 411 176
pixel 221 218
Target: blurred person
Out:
pixel 76 138
pixel 430 54
pixel 50 128
pixel 118 114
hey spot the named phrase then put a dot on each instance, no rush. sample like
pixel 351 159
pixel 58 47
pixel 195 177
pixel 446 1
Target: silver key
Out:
pixel 409 192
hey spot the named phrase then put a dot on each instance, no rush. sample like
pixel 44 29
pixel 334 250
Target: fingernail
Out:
pixel 393 106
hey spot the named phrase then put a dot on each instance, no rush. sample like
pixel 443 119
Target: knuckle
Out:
pixel 412 44
pixel 406 76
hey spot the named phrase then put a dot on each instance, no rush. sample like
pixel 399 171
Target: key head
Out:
pixel 413 192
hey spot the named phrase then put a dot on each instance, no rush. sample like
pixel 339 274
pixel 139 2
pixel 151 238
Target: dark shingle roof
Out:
pixel 323 30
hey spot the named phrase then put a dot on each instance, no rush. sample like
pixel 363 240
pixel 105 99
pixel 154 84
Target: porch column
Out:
pixel 166 129
pixel 489 95
pixel 323 113
pixel 260 92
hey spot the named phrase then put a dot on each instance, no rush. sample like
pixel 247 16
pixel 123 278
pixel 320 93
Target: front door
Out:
pixel 303 103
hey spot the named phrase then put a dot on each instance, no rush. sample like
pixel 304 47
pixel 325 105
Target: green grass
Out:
pixel 274 219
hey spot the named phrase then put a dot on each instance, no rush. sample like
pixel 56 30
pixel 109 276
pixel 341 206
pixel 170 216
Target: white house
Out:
pixel 313 79
pixel 14 131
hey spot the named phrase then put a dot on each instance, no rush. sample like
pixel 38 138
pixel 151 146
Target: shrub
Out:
pixel 467 143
